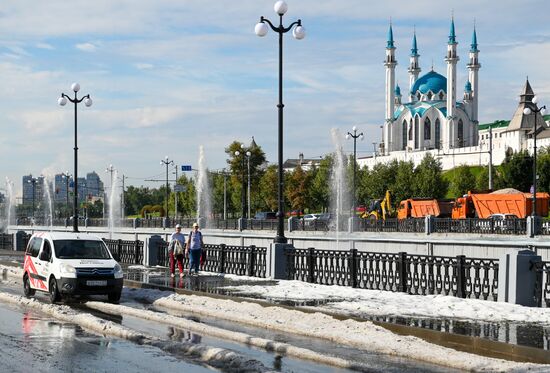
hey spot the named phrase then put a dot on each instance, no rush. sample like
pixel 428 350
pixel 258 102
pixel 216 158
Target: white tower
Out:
pixel 390 64
pixel 449 131
pixel 414 68
pixel 473 70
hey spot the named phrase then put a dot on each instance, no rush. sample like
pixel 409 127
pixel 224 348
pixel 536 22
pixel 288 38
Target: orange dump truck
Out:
pixel 421 207
pixel 483 205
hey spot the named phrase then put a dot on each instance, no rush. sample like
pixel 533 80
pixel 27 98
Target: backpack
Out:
pixel 178 248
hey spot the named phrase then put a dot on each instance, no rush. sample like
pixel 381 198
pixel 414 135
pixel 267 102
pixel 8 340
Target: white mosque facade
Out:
pixel 432 120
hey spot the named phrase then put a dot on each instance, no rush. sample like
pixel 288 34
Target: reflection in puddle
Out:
pixel 525 334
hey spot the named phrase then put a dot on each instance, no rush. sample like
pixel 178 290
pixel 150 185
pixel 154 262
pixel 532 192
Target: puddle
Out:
pixel 524 334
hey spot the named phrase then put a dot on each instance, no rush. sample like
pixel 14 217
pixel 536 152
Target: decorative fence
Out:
pixel 6 241
pixel 542 283
pixel 414 274
pixel 410 225
pixel 237 260
pixel 128 252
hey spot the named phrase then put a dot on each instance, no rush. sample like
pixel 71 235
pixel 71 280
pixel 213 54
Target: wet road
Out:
pixel 52 346
pixel 32 342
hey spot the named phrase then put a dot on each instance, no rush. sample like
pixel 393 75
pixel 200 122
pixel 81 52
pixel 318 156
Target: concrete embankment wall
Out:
pixel 470 245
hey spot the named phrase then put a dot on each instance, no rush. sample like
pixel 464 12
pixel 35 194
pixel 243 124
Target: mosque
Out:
pixel 431 119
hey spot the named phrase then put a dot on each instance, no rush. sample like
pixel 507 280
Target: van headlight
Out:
pixel 67 269
pixel 118 271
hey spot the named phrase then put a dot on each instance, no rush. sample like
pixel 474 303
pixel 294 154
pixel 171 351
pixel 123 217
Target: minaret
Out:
pixel 390 64
pixel 414 68
pixel 397 95
pixel 473 69
pixel 451 59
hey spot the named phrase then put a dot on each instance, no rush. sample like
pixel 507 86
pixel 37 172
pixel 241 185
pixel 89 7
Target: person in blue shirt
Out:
pixel 194 248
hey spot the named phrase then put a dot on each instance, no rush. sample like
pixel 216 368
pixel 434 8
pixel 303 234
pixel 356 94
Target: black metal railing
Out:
pixel 127 252
pixel 542 283
pixel 6 241
pixel 410 225
pixel 399 272
pixel 393 225
pixel 237 260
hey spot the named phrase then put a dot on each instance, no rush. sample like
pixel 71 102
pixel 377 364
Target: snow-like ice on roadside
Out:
pixel 362 335
pixel 385 303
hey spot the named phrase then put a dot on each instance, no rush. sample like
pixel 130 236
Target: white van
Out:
pixel 68 264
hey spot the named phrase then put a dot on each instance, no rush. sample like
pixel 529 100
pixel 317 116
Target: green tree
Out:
pixel 404 181
pixel 238 163
pixel 381 178
pixel 517 171
pixel 268 189
pixel 320 185
pixel 297 189
pixel 462 180
pixel 187 200
pixel 428 179
pixel 543 170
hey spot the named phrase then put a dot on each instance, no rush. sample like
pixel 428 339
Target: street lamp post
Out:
pixel 299 33
pixel 224 194
pixel 33 181
pixel 528 111
pixel 75 87
pixel 354 136
pixel 243 186
pixel 248 154
pixel 166 162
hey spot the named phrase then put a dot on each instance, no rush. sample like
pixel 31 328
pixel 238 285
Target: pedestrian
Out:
pixel 176 251
pixel 194 248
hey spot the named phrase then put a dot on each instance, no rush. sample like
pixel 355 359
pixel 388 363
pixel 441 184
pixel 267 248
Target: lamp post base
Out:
pixel 280 239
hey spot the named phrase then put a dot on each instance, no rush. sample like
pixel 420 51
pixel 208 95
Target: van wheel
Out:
pixel 114 297
pixel 29 292
pixel 54 292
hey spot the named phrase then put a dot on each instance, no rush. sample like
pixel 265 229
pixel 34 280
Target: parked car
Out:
pixel 309 219
pixel 265 215
pixel 69 264
pixel 503 222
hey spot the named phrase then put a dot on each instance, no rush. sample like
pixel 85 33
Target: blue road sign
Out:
pixel 186 168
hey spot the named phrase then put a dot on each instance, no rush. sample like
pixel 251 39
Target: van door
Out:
pixel 33 265
pixel 44 258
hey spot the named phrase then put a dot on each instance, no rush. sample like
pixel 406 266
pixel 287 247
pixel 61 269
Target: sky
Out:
pixel 168 76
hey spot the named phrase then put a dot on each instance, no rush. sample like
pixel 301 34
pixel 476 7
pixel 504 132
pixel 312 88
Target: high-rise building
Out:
pixel 33 185
pixel 94 185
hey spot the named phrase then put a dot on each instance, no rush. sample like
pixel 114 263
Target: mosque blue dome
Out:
pixel 431 81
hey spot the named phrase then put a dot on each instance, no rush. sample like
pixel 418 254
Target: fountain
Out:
pixel 204 206
pixel 114 205
pixel 9 203
pixel 339 197
pixel 48 209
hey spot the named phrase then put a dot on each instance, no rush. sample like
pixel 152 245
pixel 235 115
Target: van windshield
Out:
pixel 80 249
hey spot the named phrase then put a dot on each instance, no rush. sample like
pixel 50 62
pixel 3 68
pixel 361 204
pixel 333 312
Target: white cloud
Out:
pixel 143 66
pixel 86 47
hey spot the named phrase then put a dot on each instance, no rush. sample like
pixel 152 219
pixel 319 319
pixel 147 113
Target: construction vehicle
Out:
pixel 380 209
pixel 421 207
pixel 483 205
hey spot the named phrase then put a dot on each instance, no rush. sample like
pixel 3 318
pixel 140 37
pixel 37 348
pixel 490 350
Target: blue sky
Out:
pixel 167 76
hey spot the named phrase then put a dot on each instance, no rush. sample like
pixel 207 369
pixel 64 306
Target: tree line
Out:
pixel 308 190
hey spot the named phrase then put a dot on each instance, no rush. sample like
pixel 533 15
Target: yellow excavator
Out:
pixel 380 209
